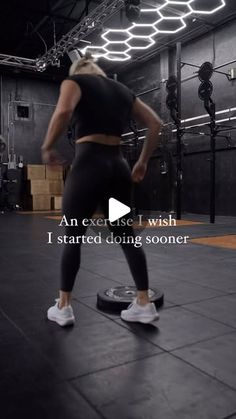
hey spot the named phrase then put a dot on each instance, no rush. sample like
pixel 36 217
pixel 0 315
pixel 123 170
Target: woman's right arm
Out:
pixel 70 95
pixel 148 118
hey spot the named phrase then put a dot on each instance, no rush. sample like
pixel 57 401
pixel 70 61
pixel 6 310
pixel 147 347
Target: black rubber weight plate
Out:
pixel 171 101
pixel 205 71
pixel 205 90
pixel 119 298
pixel 172 84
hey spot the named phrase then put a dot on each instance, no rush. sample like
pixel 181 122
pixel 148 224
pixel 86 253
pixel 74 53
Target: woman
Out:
pixel 100 109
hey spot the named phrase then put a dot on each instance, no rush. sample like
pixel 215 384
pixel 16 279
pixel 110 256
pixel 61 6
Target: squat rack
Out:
pixel 216 129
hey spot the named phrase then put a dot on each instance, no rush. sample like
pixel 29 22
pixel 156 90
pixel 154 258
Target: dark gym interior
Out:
pixel 184 366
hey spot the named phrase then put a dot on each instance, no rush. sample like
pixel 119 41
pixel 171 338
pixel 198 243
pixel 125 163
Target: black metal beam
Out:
pixel 213 166
pixel 179 135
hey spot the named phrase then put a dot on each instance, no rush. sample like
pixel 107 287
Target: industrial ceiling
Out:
pixel 33 30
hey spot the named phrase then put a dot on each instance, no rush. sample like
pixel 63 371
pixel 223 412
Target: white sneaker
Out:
pixel 63 316
pixel 137 313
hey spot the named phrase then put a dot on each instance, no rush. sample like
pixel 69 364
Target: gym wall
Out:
pixel 27 105
pixel 217 46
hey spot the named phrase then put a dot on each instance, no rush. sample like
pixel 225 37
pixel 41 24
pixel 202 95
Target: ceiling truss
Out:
pixel 69 41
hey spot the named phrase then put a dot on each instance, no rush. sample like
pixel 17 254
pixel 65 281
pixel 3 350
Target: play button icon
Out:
pixel 117 209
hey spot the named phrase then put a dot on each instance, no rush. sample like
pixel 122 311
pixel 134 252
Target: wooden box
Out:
pixel 38 203
pixel 56 202
pixel 37 187
pixel 54 172
pixel 35 172
pixel 55 187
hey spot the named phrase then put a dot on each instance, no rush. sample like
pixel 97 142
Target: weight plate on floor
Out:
pixel 171 101
pixel 205 71
pixel 119 298
pixel 172 84
pixel 205 90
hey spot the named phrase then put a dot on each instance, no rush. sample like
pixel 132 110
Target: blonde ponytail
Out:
pixel 86 64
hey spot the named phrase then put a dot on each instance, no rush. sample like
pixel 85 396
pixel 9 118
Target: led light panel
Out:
pixel 159 22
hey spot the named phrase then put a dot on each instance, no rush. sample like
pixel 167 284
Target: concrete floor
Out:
pixel 183 367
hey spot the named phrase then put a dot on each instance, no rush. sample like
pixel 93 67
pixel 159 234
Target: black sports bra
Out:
pixel 105 106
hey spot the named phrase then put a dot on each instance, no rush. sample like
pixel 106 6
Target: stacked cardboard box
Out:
pixel 43 187
pixel 56 202
pixel 54 175
pixel 35 171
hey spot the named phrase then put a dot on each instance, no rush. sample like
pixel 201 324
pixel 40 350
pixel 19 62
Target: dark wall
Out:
pixel 218 47
pixel 196 188
pixel 25 136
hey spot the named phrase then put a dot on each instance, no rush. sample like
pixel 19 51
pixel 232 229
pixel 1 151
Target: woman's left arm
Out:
pixel 70 95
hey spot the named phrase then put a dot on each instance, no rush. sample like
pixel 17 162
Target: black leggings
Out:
pixel 98 173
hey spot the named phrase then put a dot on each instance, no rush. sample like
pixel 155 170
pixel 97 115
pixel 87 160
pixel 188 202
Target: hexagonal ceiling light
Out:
pixel 168 18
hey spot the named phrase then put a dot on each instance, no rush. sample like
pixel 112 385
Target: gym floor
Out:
pixel 182 367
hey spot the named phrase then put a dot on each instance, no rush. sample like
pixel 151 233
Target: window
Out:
pixel 22 111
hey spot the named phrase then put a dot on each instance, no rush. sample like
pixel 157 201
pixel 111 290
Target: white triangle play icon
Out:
pixel 117 209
